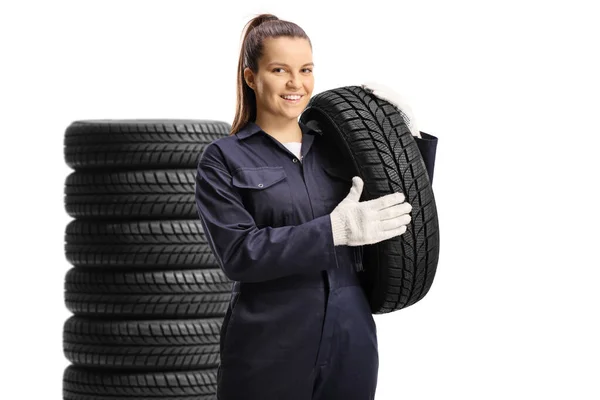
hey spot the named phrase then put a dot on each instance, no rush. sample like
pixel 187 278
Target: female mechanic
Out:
pixel 298 326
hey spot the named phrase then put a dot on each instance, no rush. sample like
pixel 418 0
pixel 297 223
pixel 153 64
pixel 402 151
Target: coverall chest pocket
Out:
pixel 339 182
pixel 266 194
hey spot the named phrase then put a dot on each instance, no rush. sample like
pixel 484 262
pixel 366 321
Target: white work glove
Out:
pixel 356 223
pixel 389 94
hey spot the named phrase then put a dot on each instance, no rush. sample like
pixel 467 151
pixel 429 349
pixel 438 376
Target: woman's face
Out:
pixel 286 67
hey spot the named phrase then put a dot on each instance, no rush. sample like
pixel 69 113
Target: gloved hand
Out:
pixel 356 223
pixel 388 94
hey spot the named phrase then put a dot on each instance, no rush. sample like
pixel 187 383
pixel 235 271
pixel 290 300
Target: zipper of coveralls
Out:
pixel 356 250
pixel 358 266
pixel 324 274
pixel 312 211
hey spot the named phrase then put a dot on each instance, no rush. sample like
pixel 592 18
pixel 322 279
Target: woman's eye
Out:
pixel 305 69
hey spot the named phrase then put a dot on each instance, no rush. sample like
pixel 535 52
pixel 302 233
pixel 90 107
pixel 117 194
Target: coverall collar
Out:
pixel 251 128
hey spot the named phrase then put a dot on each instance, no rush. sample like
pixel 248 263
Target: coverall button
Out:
pixel 295 160
pixel 260 185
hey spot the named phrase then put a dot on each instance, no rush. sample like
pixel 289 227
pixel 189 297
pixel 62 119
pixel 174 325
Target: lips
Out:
pixel 292 101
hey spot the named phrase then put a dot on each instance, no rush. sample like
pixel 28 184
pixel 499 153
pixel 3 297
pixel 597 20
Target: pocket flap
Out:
pixel 258 178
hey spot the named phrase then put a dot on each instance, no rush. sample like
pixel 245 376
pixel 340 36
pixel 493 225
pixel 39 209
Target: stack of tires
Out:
pixel 147 295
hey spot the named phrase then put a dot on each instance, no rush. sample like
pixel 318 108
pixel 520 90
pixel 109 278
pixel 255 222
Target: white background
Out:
pixel 510 88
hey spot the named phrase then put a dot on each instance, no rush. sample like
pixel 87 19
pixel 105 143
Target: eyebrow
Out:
pixel 280 63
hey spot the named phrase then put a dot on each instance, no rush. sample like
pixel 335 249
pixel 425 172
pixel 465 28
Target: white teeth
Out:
pixel 291 97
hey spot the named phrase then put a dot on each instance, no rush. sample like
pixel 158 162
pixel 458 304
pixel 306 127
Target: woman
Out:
pixel 298 325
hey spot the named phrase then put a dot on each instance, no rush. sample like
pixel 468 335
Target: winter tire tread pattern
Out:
pixel 149 345
pixel 139 144
pixel 81 383
pixel 371 132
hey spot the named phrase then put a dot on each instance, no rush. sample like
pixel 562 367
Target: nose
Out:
pixel 295 82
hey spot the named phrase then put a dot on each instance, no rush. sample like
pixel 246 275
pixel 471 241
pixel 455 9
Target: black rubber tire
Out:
pixel 152 193
pixel 119 281
pixel 80 383
pixel 148 306
pixel 119 294
pixel 147 181
pixel 139 143
pixel 378 146
pixel 149 206
pixel 150 345
pixel 153 244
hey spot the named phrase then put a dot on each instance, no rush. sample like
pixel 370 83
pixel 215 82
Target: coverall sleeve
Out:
pixel 244 252
pixel 427 146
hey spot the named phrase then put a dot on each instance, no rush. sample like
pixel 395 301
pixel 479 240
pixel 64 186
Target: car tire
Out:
pixel 174 244
pixel 80 383
pixel 126 194
pixel 149 345
pixel 372 136
pixel 117 293
pixel 139 143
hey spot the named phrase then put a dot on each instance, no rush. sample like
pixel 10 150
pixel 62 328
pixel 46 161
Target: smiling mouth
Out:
pixel 292 101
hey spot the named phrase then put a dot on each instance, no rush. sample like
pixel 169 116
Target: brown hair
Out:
pixel 255 32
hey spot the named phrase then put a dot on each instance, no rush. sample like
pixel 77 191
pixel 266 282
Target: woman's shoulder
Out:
pixel 215 150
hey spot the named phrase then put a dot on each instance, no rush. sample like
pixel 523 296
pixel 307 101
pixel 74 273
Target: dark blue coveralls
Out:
pixel 298 325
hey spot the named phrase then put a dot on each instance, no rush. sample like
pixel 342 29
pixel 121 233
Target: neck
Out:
pixel 284 130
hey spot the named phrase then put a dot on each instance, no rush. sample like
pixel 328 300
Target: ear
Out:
pixel 249 78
